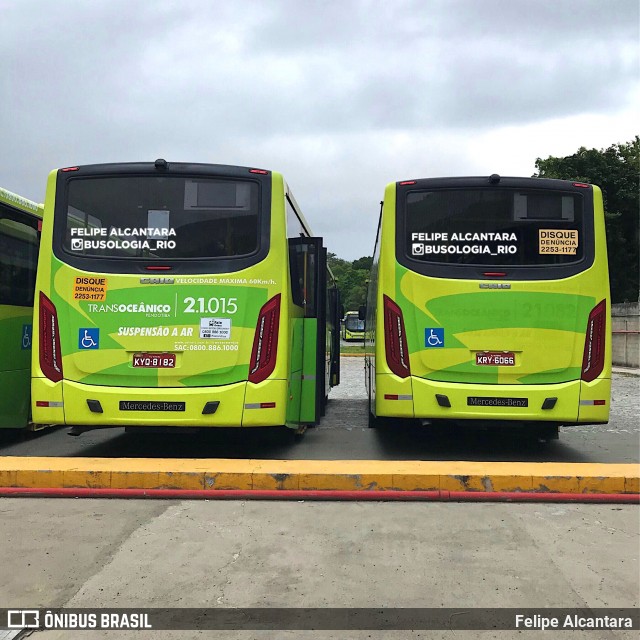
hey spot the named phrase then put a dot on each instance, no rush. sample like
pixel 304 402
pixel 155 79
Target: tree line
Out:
pixel 616 170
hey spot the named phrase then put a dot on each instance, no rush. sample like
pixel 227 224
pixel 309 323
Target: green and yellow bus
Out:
pixel 19 220
pixel 182 295
pixel 489 301
pixel 352 327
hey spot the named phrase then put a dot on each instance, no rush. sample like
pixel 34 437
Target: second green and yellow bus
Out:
pixel 489 301
pixel 352 327
pixel 183 295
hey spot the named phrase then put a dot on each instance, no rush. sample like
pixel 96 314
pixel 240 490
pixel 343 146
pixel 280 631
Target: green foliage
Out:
pixel 363 263
pixel 616 171
pixel 352 280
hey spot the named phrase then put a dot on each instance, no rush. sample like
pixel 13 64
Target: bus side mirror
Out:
pixel 362 312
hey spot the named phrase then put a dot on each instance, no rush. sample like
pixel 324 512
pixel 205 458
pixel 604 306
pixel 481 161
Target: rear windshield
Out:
pixel 500 227
pixel 169 217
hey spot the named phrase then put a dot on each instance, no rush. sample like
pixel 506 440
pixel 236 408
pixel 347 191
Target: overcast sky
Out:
pixel 341 96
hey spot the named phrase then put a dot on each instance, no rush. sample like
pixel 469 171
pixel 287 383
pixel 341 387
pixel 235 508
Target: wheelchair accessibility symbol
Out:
pixel 434 338
pixel 26 336
pixel 88 338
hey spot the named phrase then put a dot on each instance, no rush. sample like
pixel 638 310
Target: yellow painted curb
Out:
pixel 334 475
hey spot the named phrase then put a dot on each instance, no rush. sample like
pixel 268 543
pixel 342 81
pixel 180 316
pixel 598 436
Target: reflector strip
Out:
pixel 51 405
pixel 597 403
pixel 260 405
pixel 394 396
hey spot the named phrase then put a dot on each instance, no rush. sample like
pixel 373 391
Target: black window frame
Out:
pixel 134 265
pixel 476 272
pixel 7 212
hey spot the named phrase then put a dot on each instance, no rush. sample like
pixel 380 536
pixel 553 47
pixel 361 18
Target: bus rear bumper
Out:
pixel 233 405
pixel 562 403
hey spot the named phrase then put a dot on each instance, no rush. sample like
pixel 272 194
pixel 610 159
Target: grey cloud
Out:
pixel 249 82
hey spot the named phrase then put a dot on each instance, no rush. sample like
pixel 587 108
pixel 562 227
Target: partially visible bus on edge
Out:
pixel 19 220
pixel 489 301
pixel 352 326
pixel 184 295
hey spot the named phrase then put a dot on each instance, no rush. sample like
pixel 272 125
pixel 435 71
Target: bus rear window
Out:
pixel 165 218
pixel 498 227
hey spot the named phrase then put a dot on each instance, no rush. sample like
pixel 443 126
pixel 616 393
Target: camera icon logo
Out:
pixel 76 244
pixel 417 249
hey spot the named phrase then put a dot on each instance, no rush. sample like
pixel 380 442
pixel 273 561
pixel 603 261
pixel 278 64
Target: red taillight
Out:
pixel 594 344
pixel 395 339
pixel 70 169
pixel 50 356
pixel 404 183
pixel 582 185
pixel 262 172
pixel 265 341
pixel 158 268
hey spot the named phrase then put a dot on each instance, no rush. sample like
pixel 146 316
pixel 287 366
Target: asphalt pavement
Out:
pixel 344 435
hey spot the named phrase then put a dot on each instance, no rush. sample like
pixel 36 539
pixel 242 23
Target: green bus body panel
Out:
pixel 295 375
pixel 15 348
pixel 159 309
pixel 309 367
pixel 545 329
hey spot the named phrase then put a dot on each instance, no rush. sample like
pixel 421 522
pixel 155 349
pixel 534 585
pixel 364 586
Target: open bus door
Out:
pixel 320 356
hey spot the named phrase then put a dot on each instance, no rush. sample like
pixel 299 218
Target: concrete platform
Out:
pixel 317 475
